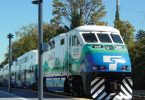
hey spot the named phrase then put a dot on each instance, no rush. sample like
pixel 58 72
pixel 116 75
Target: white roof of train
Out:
pixel 90 28
pixel 32 51
pixel 96 28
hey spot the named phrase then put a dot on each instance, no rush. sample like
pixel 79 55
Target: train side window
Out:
pixel 52 45
pixel 73 41
pixel 69 41
pixel 77 41
pixel 62 41
pixel 19 77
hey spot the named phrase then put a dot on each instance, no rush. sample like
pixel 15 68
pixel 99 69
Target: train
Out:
pixel 89 60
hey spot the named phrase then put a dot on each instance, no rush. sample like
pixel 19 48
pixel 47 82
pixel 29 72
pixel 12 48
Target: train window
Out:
pixel 75 41
pixel 31 56
pixel 116 38
pixel 89 37
pixel 62 41
pixel 69 41
pixel 19 77
pixel 104 38
pixel 78 42
pixel 52 45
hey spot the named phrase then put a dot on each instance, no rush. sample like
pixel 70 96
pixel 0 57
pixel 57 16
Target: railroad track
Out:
pixel 55 94
pixel 138 98
pixel 138 94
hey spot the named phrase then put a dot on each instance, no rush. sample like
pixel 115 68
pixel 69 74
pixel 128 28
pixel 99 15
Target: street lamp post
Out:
pixel 10 36
pixel 40 44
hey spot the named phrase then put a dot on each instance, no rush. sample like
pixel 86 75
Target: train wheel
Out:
pixel 80 87
pixel 74 86
pixel 66 86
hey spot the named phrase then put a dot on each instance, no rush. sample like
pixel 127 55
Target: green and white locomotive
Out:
pixel 91 60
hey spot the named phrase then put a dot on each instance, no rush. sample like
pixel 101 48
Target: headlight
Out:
pixel 95 68
pixel 109 47
pixel 127 68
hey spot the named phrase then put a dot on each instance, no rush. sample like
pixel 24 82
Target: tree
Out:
pixel 137 54
pixel 125 28
pixel 139 49
pixel 28 38
pixel 140 35
pixel 51 31
pixel 138 63
pixel 4 62
pixel 78 12
pixel 117 14
pixel 126 31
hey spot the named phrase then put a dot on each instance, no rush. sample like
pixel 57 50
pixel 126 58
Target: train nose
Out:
pixel 109 62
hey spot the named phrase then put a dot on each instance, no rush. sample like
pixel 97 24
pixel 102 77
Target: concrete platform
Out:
pixel 8 96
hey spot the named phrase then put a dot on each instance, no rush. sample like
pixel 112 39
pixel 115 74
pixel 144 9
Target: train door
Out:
pixel 69 46
pixel 75 52
pixel 62 51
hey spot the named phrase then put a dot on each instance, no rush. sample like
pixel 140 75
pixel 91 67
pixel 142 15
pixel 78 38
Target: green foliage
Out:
pixel 117 18
pixel 126 30
pixel 4 62
pixel 139 50
pixel 137 53
pixel 140 35
pixel 78 12
pixel 51 30
pixel 28 39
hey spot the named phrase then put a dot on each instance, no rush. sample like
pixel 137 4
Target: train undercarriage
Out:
pixel 104 86
pixel 98 86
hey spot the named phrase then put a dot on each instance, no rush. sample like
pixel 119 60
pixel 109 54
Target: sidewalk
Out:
pixel 8 96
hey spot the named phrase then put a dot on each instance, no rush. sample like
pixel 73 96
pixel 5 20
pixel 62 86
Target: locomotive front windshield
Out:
pixel 116 38
pixel 102 37
pixel 90 37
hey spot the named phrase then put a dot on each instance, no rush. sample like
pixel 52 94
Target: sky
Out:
pixel 17 13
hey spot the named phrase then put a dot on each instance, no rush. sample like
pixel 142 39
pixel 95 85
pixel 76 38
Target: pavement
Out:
pixel 9 96
pixel 4 95
pixel 21 94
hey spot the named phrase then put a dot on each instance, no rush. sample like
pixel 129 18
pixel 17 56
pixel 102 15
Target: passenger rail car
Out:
pixel 4 75
pixel 88 60
pixel 23 71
